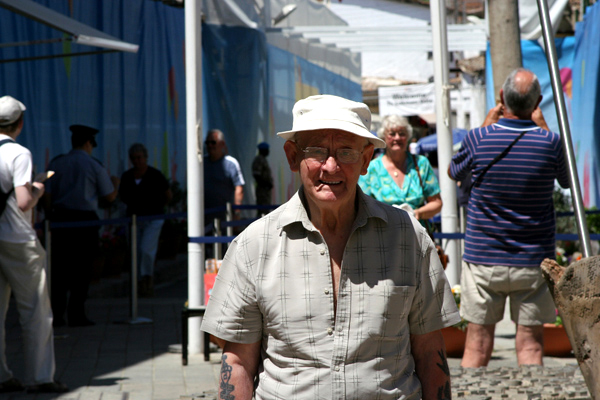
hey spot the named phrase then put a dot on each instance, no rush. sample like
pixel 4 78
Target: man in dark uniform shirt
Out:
pixel 72 195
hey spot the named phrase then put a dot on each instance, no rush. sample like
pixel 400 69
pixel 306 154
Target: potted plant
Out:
pixel 456 335
pixel 556 341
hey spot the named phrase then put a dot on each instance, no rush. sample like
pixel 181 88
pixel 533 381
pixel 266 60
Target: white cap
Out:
pixel 332 112
pixel 11 110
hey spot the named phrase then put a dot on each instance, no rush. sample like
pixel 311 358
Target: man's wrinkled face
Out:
pixel 330 162
pixel 214 146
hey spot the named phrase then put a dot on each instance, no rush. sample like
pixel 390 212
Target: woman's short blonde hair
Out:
pixel 390 122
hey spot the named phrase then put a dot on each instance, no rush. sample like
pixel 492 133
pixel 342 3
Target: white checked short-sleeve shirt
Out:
pixel 275 286
pixel 15 170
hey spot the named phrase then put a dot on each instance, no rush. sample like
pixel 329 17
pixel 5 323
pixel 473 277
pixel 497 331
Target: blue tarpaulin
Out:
pixel 128 97
pixel 586 97
pixel 249 87
pixel 534 58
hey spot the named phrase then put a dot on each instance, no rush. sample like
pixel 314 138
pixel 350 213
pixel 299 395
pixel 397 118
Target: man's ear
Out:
pixel 291 153
pixel 502 97
pixel 367 155
pixel 539 101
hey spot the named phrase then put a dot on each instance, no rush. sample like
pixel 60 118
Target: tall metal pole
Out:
pixel 195 173
pixel 229 218
pixel 559 103
pixel 135 318
pixel 444 135
pixel 134 268
pixel 48 247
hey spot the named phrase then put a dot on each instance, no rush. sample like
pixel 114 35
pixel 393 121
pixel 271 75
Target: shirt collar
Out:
pixel 517 124
pixel 294 211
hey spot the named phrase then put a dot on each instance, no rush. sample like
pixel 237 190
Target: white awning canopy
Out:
pixel 392 38
pixel 80 33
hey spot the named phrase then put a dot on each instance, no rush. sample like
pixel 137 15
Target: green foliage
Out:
pixel 562 203
pixel 561 257
pixel 558 321
pixel 593 221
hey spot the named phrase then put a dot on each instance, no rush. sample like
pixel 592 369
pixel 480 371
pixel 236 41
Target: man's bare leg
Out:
pixel 479 345
pixel 529 344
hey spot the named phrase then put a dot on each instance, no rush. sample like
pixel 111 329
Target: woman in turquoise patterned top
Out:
pixel 393 178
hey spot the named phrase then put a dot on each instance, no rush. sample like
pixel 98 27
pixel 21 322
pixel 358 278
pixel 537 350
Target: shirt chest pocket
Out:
pixel 388 309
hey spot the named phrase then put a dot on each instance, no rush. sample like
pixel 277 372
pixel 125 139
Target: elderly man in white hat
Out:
pixel 333 295
pixel 23 260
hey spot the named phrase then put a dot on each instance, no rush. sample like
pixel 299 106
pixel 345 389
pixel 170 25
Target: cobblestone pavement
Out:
pixel 525 383
pixel 502 383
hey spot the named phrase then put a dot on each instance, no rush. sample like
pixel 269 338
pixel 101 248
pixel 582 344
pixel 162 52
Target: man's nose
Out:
pixel 330 164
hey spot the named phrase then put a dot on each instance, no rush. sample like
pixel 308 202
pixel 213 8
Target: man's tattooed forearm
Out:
pixel 444 392
pixel 226 387
pixel 444 365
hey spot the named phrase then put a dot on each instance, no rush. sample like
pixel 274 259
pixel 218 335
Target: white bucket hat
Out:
pixel 10 110
pixel 332 112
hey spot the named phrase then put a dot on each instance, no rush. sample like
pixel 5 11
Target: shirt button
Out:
pixel 329 331
pixel 337 368
pixel 326 291
pixel 322 252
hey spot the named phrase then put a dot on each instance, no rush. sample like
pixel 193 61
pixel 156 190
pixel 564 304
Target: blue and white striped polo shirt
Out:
pixel 510 216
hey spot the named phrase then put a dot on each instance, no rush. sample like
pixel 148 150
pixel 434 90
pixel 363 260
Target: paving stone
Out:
pixel 525 383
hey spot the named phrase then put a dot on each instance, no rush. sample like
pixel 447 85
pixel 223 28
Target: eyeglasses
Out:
pixel 321 154
pixel 210 142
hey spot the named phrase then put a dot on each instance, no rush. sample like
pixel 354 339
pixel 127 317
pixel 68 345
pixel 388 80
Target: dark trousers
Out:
pixel 73 251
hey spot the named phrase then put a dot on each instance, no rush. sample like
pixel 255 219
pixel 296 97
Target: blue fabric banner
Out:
pixel 249 88
pixel 234 89
pixel 128 97
pixel 586 97
pixel 534 58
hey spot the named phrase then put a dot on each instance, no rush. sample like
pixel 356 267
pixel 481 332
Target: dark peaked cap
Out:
pixel 84 133
pixel 83 130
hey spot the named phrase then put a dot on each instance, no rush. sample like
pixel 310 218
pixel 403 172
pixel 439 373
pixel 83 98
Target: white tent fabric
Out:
pixel 407 66
pixel 529 20
pixel 250 14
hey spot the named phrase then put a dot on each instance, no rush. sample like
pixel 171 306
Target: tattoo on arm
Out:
pixel 225 386
pixel 444 392
pixel 444 365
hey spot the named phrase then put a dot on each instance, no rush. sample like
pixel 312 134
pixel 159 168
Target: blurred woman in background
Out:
pixel 399 177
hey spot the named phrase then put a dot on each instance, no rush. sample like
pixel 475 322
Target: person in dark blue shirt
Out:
pixel 223 179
